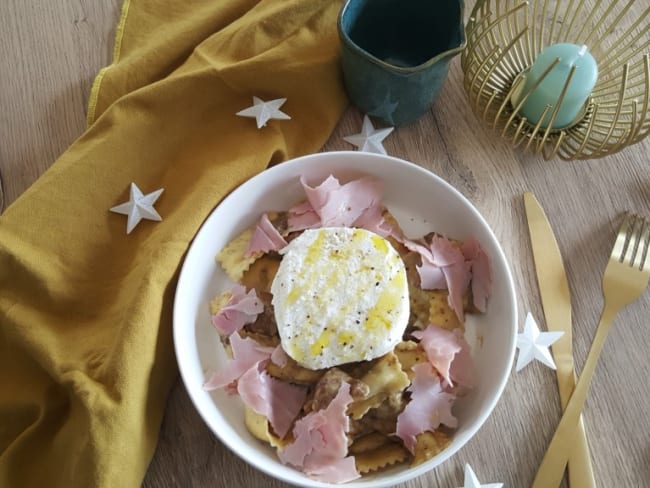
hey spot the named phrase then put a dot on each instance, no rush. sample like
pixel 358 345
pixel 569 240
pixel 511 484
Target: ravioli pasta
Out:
pixel 233 259
pixel 429 444
pixel 380 457
pixel 258 425
pixel 385 378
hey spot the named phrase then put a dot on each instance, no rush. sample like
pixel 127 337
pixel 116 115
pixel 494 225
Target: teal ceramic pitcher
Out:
pixel 395 54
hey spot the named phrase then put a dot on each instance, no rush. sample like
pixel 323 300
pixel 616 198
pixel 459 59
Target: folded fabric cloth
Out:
pixel 86 357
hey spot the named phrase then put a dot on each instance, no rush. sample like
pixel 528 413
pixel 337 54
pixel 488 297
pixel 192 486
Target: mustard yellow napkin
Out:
pixel 86 357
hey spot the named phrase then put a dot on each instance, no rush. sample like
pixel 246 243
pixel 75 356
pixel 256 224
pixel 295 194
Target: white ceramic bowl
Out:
pixel 421 202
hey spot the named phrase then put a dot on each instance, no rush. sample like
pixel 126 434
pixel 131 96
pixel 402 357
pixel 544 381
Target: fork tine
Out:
pixel 622 239
pixel 645 243
pixel 634 237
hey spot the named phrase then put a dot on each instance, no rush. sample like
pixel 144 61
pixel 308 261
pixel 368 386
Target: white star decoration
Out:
pixel 265 111
pixel 138 207
pixel 471 481
pixel 534 344
pixel 369 139
pixel 385 108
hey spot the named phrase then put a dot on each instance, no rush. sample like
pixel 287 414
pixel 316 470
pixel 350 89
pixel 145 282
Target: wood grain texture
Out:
pixel 52 51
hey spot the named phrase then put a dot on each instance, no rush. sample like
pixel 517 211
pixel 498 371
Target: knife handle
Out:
pixel 581 474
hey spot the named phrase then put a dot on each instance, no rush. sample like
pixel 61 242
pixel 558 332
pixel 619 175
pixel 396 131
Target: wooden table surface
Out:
pixel 51 53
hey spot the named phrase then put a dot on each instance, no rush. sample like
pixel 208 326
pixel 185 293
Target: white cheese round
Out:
pixel 340 295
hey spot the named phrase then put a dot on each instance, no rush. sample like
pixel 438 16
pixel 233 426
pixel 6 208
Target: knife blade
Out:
pixel 556 303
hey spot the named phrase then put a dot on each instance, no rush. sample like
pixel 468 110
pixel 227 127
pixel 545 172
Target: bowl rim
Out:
pixel 409 472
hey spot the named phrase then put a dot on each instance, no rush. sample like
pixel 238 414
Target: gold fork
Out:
pixel 624 280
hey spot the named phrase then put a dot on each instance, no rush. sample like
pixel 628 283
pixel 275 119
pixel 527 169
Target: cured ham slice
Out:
pixel 330 204
pixel 265 238
pixel 444 252
pixel 246 353
pixel 441 346
pixel 305 215
pixel 373 220
pixel 481 272
pixel 279 356
pixel 457 277
pixel 320 447
pixel 429 407
pixel 347 203
pixel 242 308
pixel 449 353
pixel 277 400
pixel 431 277
pixel 447 266
pixel 302 216
pixel 456 270
pixel 319 195
pixel 462 367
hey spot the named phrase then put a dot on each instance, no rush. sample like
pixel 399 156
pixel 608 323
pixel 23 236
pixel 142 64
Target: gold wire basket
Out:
pixel 505 36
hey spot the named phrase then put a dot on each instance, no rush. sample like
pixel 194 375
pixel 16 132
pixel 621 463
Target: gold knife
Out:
pixel 556 302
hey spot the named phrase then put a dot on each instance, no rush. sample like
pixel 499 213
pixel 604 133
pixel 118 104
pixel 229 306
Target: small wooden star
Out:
pixel 369 139
pixel 138 207
pixel 264 111
pixel 471 481
pixel 534 344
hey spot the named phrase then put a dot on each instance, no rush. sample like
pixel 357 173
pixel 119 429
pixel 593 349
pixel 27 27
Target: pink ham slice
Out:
pixel 278 401
pixel 481 272
pixel 302 216
pixel 449 353
pixel 373 220
pixel 429 407
pixel 279 356
pixel 305 215
pixel 319 195
pixel 441 346
pixel 457 272
pixel 431 277
pixel 445 266
pixel 347 203
pixel 320 447
pixel 457 277
pixel 246 353
pixel 330 204
pixel 462 367
pixel 265 238
pixel 242 308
